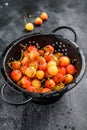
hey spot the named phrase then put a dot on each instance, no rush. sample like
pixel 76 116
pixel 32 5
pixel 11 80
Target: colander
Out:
pixel 60 44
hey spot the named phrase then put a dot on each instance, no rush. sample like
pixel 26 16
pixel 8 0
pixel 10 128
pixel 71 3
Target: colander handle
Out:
pixel 3 97
pixel 69 28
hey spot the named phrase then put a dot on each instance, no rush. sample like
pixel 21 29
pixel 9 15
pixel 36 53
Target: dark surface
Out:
pixel 70 111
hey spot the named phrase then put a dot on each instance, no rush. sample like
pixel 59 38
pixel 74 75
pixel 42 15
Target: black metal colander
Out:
pixel 60 44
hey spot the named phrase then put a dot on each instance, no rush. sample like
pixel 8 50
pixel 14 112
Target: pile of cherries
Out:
pixel 42 70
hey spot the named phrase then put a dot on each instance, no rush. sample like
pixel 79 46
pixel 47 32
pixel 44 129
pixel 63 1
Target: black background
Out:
pixel 70 111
